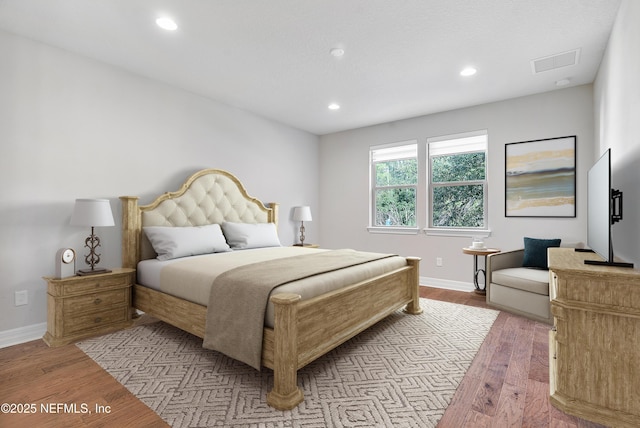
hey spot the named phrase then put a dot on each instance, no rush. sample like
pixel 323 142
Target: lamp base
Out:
pixel 94 271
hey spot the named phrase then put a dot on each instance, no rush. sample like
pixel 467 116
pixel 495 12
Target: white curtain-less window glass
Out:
pixel 457 182
pixel 394 182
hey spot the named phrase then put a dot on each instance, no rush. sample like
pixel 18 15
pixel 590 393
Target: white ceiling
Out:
pixel 402 57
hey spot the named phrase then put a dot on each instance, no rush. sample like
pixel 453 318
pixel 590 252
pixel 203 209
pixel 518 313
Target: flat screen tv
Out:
pixel 604 208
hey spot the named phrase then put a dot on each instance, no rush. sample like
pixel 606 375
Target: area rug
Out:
pixel 401 372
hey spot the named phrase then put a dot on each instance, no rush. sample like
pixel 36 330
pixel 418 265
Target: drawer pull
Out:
pixel 97 301
pixel 97 320
pixel 554 328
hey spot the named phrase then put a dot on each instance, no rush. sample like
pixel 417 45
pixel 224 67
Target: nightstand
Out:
pixel 307 245
pixel 82 306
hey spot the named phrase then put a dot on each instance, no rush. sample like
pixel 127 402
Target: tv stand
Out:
pixel 593 348
pixel 603 263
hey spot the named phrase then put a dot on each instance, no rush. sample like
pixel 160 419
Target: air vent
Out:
pixel 552 62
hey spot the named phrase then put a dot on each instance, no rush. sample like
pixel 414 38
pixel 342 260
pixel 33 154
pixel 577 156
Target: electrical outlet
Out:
pixel 438 261
pixel 21 298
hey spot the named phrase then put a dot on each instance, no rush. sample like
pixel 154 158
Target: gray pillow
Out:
pixel 242 236
pixel 173 242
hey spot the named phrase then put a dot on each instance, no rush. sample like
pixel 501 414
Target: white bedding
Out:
pixel 150 273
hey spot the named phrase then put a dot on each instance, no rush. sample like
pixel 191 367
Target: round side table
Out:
pixel 475 252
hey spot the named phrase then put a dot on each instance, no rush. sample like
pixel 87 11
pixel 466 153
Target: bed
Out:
pixel 301 329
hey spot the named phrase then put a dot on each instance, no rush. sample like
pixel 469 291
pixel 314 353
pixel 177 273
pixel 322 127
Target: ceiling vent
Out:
pixel 552 62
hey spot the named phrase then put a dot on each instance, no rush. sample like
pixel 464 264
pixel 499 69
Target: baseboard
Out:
pixel 446 284
pixel 22 334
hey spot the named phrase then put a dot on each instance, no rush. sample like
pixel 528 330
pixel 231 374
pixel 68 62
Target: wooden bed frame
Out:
pixel 303 329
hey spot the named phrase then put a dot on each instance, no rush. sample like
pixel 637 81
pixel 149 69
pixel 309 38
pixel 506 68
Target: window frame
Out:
pixel 482 231
pixel 373 188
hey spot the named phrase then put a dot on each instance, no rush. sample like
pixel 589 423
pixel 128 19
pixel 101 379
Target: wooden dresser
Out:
pixel 82 306
pixel 594 346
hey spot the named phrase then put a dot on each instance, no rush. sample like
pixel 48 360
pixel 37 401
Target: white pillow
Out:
pixel 173 242
pixel 251 235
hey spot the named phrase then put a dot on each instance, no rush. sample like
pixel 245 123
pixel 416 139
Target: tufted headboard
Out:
pixel 209 196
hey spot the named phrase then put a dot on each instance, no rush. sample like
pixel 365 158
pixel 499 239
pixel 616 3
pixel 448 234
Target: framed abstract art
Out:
pixel 540 178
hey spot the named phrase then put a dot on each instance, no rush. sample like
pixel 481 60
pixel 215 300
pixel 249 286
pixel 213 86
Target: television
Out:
pixel 604 208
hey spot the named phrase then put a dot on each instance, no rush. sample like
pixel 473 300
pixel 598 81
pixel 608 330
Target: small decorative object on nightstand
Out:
pixel 478 249
pixel 65 263
pixel 92 213
pixel 302 214
pixel 84 306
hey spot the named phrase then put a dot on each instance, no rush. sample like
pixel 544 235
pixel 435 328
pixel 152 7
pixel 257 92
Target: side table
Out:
pixel 475 252
pixel 83 306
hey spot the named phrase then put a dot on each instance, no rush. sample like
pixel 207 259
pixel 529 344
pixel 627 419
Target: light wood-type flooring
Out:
pixel 506 386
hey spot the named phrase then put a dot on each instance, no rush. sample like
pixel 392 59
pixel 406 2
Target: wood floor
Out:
pixel 506 386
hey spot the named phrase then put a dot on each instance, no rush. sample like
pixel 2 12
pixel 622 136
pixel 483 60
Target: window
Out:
pixel 394 184
pixel 458 181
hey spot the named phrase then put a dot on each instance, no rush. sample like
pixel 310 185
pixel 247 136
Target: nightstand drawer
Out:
pixel 73 324
pixel 97 283
pixel 94 302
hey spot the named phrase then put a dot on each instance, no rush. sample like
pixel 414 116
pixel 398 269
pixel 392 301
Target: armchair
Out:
pixel 517 289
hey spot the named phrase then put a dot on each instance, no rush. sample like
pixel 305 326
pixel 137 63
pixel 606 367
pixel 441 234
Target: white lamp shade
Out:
pixel 302 214
pixel 92 212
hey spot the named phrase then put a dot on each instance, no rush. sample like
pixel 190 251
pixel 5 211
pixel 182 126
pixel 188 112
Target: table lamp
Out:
pixel 302 214
pixel 92 213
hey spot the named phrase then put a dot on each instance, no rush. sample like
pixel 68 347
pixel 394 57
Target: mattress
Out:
pixel 150 274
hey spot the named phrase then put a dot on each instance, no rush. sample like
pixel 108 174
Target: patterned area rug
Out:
pixel 403 371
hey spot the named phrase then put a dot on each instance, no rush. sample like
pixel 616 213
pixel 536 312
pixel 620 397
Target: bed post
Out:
pixel 131 228
pixel 285 394
pixel 272 216
pixel 413 307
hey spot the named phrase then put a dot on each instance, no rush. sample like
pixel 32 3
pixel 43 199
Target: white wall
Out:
pixel 617 118
pixel 71 127
pixel 344 178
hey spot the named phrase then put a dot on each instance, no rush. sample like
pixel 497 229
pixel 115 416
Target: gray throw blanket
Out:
pixel 238 300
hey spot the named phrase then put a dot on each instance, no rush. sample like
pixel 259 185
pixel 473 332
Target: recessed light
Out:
pixel 167 24
pixel 337 52
pixel 469 71
pixel 334 106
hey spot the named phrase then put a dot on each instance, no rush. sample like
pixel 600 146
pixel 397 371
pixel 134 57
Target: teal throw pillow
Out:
pixel 535 252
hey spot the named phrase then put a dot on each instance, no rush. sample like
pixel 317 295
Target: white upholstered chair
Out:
pixel 518 289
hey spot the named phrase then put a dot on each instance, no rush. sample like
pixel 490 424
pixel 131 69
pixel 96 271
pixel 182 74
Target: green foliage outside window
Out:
pixel 397 172
pixel 458 198
pixel 396 207
pixel 458 167
pixel 458 206
pixel 395 195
